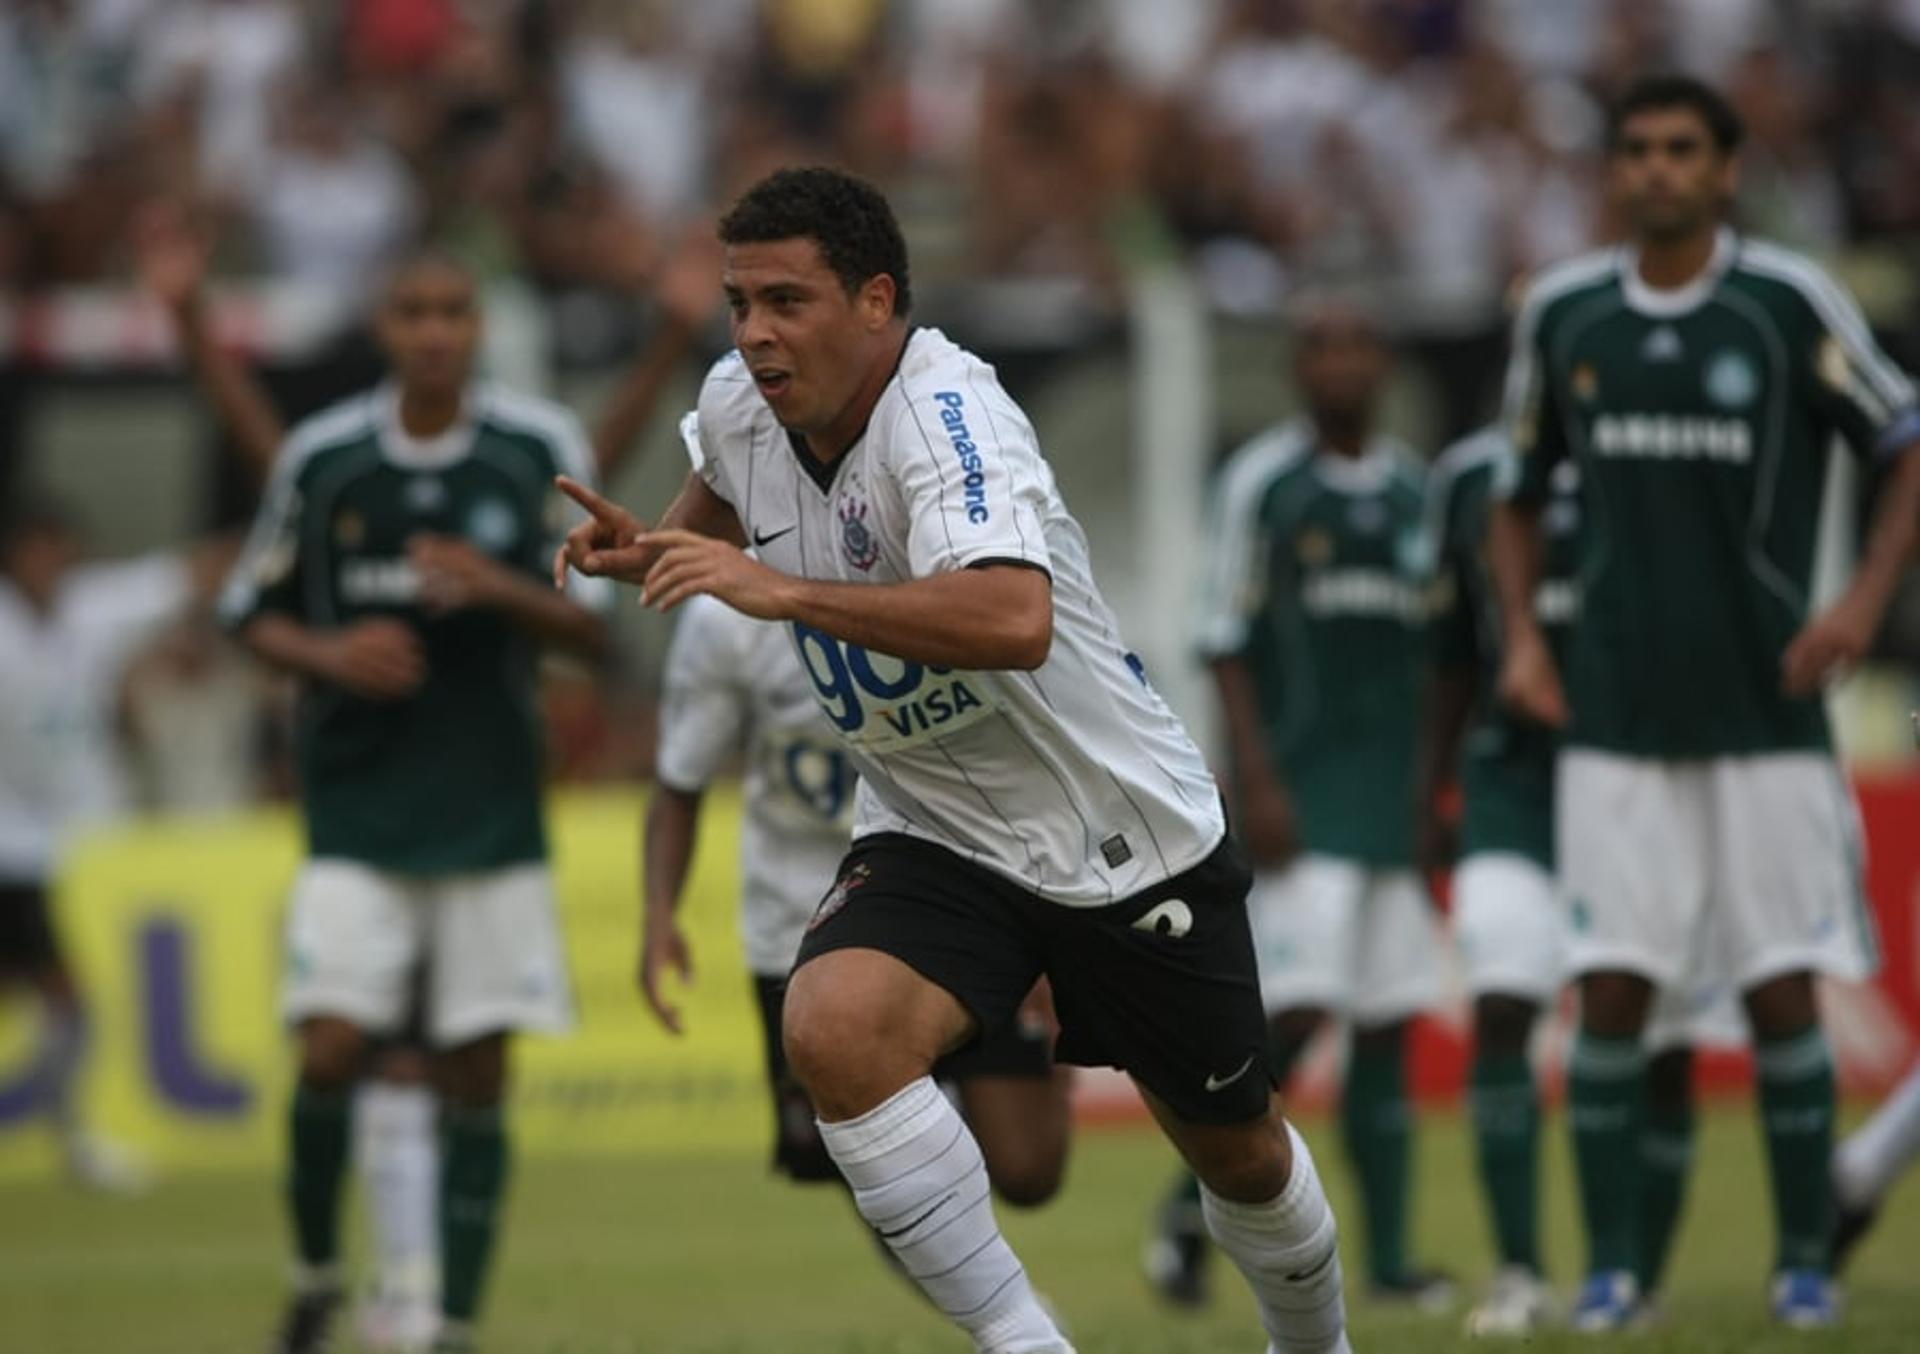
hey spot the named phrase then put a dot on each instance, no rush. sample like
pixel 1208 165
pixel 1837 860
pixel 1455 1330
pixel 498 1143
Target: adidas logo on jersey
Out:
pixel 1662 345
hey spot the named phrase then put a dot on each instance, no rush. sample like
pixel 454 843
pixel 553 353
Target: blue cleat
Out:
pixel 1805 1299
pixel 1609 1301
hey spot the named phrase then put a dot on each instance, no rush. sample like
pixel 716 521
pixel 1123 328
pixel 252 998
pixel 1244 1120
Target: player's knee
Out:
pixel 332 1054
pixel 1783 1007
pixel 1614 1005
pixel 1027 1181
pixel 473 1076
pixel 1245 1163
pixel 1503 1024
pixel 1380 1041
pixel 829 1040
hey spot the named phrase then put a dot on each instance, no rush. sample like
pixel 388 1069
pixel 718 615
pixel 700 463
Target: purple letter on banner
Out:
pixel 179 1076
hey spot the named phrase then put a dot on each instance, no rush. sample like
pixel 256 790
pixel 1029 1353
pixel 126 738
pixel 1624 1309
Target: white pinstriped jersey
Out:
pixel 1075 780
pixel 732 682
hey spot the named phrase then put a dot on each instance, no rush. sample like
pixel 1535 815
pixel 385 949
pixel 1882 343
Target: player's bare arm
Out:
pixel 1450 692
pixel 1529 678
pixel 456 576
pixel 1267 821
pixel 1839 637
pixel 173 267
pixel 378 660
pixel 673 822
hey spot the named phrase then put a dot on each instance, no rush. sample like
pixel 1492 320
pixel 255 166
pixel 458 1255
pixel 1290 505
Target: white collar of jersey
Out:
pixel 1669 302
pixel 1367 473
pixel 424 453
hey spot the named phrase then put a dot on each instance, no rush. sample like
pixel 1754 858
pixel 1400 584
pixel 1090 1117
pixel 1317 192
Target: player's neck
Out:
pixel 428 413
pixel 832 443
pixel 1346 437
pixel 1670 264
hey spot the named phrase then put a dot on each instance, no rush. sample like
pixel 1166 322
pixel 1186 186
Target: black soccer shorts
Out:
pixel 1162 985
pixel 29 946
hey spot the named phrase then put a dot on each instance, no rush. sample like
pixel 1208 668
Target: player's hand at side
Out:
pixel 663 946
pixel 1267 822
pixel 1530 683
pixel 170 256
pixel 601 546
pixel 690 563
pixel 454 574
pixel 379 660
pixel 1438 838
pixel 1826 647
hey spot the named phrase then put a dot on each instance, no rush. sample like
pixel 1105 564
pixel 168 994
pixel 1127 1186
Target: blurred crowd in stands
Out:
pixel 1423 152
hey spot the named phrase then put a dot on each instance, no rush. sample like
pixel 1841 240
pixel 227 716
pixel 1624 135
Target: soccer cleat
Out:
pixel 307 1327
pixel 1423 1290
pixel 1608 1301
pixel 1517 1303
pixel 394 1323
pixel 105 1167
pixel 1804 1299
pixel 1176 1257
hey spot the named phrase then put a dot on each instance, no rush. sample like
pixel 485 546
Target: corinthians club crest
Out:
pixel 855 536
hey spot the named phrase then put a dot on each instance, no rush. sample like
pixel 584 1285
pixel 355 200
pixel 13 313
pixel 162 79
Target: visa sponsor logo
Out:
pixel 1664 437
pixel 955 423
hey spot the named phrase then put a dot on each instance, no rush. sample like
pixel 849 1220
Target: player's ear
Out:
pixel 876 300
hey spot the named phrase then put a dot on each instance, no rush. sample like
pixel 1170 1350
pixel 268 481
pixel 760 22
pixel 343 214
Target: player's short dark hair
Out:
pixel 1666 91
pixel 847 217
pixel 430 256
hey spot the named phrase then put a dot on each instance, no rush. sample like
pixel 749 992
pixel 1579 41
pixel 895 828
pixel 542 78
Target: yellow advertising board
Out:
pixel 175 930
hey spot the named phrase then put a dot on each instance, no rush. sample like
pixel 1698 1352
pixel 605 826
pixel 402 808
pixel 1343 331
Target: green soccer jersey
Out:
pixel 1506 766
pixel 449 779
pixel 1318 581
pixel 1701 420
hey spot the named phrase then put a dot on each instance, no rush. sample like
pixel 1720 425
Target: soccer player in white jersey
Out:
pixel 68 631
pixel 1700 380
pixel 1028 806
pixel 732 682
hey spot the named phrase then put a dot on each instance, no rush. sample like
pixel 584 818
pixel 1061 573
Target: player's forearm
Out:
pixel 639 393
pixel 1450 693
pixel 1253 767
pixel 240 403
pixel 1891 541
pixel 999 617
pixel 551 617
pixel 1514 549
pixel 286 644
pixel 673 824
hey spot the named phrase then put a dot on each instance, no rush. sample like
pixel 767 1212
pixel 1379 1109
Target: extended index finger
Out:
pixel 603 508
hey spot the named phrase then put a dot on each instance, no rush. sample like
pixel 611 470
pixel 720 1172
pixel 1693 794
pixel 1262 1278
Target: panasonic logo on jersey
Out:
pixel 955 423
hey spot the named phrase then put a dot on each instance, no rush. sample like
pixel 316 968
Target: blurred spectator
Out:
pixel 195 714
pixel 228 57
pixel 1787 187
pixel 640 108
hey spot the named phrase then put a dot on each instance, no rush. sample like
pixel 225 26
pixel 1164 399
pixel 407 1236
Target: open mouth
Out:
pixel 772 382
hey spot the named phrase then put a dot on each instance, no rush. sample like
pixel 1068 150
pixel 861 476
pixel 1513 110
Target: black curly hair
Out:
pixel 847 217
pixel 1664 91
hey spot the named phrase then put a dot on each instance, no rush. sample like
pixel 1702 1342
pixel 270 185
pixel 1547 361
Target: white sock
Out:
pixel 1288 1248
pixel 919 1180
pixel 1873 1155
pixel 398 1155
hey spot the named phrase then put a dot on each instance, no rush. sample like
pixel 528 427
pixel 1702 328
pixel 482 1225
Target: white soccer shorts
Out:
pixel 1739 867
pixel 489 943
pixel 1510 925
pixel 1362 942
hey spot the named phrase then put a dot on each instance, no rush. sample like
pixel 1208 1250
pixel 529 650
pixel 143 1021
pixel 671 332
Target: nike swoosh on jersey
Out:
pixel 1221 1083
pixel 772 536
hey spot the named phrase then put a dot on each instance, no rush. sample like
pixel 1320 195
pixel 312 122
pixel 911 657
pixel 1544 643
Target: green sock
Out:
pixel 1506 1125
pixel 1666 1161
pixel 1606 1098
pixel 1374 1116
pixel 1796 1106
pixel 319 1132
pixel 473 1179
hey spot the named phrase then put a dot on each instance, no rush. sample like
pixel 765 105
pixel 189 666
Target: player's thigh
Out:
pixel 1164 987
pixel 353 937
pixel 913 952
pixel 1023 1122
pixel 1788 884
pixel 1306 923
pixel 497 960
pixel 1509 926
pixel 1403 961
pixel 798 1152
pixel 1635 848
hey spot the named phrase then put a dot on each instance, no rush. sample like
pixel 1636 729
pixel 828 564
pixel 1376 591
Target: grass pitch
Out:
pixel 710 1255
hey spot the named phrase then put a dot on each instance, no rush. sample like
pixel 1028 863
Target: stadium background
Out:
pixel 1113 200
